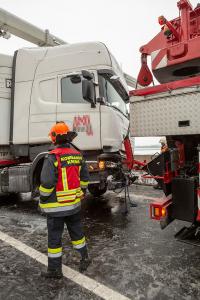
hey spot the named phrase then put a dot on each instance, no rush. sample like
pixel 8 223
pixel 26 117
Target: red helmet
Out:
pixel 59 128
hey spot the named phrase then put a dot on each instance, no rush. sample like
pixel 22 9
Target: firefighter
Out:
pixel 64 180
pixel 163 143
pixel 163 149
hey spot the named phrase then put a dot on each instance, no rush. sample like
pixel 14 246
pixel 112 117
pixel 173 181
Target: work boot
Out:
pixel 84 264
pixel 54 274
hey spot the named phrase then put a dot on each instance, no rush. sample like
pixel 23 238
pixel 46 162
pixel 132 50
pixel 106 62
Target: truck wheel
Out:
pixel 96 191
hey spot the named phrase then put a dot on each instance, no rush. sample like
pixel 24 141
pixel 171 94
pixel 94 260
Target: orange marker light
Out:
pixel 163 212
pixel 157 212
pixel 101 165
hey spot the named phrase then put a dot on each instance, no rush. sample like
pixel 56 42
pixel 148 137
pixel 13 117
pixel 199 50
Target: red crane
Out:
pixel 175 50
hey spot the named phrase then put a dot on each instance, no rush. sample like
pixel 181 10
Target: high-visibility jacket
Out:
pixel 63 176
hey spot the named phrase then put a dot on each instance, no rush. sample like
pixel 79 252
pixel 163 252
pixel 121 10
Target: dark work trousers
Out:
pixel 55 226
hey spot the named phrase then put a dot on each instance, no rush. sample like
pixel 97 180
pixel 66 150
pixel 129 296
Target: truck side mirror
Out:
pixel 87 75
pixel 88 88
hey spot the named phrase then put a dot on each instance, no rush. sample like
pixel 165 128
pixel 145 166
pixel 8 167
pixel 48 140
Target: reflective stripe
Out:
pixel 55 250
pixel 69 198
pixel 56 164
pixel 79 241
pixel 79 171
pixel 68 192
pixel 61 208
pixel 84 183
pixel 45 191
pixel 64 179
pixel 57 204
pixel 45 194
pixel 79 244
pixel 54 255
pixel 80 194
pixel 73 197
pixel 69 195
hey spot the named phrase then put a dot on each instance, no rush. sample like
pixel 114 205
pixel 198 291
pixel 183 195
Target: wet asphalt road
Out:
pixel 130 253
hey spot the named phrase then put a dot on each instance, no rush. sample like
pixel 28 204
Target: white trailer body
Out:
pixel 5 97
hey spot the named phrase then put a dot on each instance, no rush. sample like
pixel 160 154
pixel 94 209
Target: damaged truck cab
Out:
pixel 40 86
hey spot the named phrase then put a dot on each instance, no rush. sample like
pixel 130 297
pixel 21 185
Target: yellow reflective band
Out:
pixel 44 190
pixel 84 183
pixel 54 251
pixel 79 241
pixel 69 192
pixel 79 194
pixel 67 195
pixel 64 179
pixel 73 197
pixel 58 204
pixel 62 198
pixel 56 164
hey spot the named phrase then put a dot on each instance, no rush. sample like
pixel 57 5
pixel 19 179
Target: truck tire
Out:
pixel 96 191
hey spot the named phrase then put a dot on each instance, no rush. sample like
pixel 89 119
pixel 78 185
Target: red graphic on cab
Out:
pixel 82 124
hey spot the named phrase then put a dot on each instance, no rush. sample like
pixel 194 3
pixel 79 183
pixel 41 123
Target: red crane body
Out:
pixel 175 50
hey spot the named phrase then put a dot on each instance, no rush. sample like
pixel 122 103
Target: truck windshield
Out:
pixel 112 97
pixel 71 90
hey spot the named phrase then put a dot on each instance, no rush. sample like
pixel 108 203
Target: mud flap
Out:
pixel 189 235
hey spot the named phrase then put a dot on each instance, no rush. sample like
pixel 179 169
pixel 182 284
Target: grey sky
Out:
pixel 123 25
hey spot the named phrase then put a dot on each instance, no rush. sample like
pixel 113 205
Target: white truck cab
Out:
pixel 43 85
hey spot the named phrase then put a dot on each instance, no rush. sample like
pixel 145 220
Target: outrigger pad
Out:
pixel 189 235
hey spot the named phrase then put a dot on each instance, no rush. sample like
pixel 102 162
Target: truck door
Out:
pixel 78 113
pixel 42 109
pixel 114 113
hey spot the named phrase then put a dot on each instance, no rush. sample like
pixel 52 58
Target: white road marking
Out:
pixel 90 284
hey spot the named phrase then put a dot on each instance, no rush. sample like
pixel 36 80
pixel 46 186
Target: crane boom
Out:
pixel 11 24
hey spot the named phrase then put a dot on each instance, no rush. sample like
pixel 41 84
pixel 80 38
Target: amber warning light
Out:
pixel 101 165
pixel 159 211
